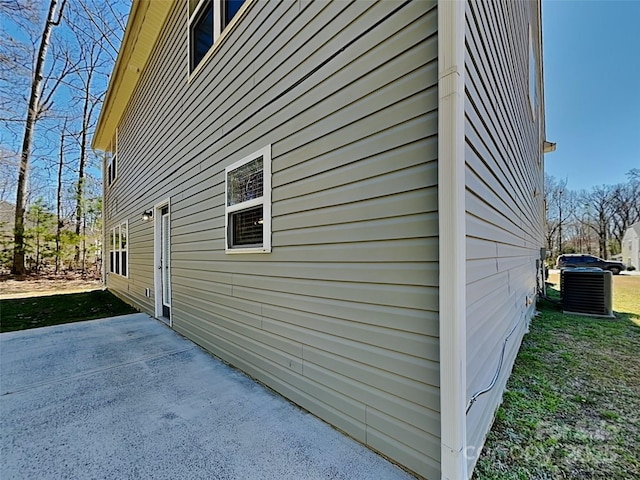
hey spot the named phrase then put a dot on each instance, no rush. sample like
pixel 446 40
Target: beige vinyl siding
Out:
pixel 342 316
pixel 503 201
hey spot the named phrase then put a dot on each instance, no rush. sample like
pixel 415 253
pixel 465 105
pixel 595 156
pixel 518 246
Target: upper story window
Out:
pixel 533 76
pixel 112 161
pixel 248 204
pixel 207 20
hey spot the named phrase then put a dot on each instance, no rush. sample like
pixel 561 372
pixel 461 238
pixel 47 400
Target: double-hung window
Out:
pixel 248 204
pixel 533 76
pixel 118 249
pixel 207 20
pixel 112 161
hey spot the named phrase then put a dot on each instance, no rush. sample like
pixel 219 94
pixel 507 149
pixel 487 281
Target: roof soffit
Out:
pixel 143 29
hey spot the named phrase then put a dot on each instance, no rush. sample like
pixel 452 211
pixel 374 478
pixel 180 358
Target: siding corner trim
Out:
pixel 451 195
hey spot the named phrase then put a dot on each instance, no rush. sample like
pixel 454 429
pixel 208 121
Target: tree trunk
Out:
pixel 38 242
pixel 84 244
pixel 18 266
pixel 602 240
pixel 86 117
pixel 59 197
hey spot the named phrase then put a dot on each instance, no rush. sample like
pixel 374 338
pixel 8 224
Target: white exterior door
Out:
pixel 163 263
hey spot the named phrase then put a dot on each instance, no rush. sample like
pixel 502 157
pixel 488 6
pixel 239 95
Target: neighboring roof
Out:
pixel 143 28
pixel 635 227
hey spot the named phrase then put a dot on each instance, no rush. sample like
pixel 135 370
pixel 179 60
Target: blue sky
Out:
pixel 592 89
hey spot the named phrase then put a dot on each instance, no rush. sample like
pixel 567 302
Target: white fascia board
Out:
pixel 452 253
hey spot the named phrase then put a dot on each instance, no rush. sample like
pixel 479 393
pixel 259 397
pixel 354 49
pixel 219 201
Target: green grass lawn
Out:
pixel 33 312
pixel 571 405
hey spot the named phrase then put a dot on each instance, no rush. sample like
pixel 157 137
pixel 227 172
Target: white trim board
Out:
pixel 157 283
pixel 451 221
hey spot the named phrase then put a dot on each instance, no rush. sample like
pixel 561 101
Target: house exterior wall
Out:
pixel 631 246
pixel 342 316
pixel 504 130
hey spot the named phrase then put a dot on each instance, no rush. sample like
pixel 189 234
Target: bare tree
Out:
pixel 624 200
pixel 559 208
pixel 16 60
pixel 633 183
pixel 32 116
pixel 90 59
pixel 104 23
pixel 59 222
pixel 96 29
pixel 62 77
pixel 599 204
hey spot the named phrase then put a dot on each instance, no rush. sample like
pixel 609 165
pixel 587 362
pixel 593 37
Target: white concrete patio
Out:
pixel 126 397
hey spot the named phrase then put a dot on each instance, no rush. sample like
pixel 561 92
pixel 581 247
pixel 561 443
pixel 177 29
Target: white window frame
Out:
pixel 218 32
pixel 265 201
pixel 113 248
pixel 111 169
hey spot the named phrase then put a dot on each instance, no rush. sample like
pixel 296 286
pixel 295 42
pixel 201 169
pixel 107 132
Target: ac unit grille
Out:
pixel 586 291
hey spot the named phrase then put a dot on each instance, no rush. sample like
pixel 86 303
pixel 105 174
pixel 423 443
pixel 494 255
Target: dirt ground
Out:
pixel 12 286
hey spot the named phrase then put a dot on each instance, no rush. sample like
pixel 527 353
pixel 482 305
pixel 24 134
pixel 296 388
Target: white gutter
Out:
pixel 451 220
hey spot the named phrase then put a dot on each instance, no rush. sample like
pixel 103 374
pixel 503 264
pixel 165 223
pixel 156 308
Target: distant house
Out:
pixel 631 246
pixel 7 220
pixel 342 199
pixel 7 216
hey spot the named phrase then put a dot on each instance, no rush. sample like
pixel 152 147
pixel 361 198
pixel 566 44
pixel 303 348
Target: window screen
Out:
pixel 248 203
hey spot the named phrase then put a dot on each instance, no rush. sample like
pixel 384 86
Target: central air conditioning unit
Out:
pixel 587 291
